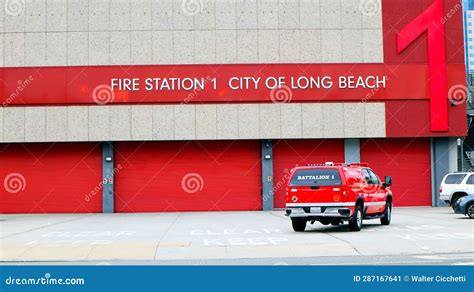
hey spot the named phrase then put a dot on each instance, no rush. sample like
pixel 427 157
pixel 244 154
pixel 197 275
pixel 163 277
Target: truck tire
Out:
pixel 299 224
pixel 325 221
pixel 336 222
pixel 387 215
pixel 470 210
pixel 355 223
pixel 454 200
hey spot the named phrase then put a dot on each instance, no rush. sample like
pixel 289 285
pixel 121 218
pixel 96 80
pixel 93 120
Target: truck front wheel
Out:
pixel 299 224
pixel 387 216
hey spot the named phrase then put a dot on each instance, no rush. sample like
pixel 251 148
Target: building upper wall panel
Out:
pixel 127 32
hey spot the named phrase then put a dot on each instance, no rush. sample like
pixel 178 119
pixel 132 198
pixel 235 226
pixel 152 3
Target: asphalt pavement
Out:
pixel 420 235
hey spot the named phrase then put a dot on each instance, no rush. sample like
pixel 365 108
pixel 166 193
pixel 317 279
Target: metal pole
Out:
pixel 267 175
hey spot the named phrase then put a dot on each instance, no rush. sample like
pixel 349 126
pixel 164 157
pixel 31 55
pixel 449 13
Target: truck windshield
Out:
pixel 454 179
pixel 316 178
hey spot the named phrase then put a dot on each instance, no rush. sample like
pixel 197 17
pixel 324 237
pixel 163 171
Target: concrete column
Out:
pixel 351 150
pixel 108 177
pixel 267 175
pixel 440 164
pixel 453 154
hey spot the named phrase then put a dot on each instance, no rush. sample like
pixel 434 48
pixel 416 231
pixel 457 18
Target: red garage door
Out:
pixel 408 162
pixel 50 178
pixel 288 153
pixel 188 176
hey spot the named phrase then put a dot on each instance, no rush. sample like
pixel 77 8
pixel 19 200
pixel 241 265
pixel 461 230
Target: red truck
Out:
pixel 333 193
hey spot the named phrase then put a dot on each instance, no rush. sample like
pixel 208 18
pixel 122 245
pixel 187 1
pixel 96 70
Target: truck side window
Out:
pixel 373 177
pixel 367 177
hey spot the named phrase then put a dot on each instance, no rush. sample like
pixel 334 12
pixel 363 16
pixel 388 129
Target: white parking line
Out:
pixel 447 256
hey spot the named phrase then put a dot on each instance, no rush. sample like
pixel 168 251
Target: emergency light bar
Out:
pixel 359 164
pixel 363 164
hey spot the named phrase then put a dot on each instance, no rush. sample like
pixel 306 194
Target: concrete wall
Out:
pixel 123 32
pixel 191 122
pixel 106 32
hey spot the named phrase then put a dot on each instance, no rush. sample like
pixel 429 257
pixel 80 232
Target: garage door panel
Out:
pixel 188 176
pixel 408 162
pixel 51 178
pixel 289 153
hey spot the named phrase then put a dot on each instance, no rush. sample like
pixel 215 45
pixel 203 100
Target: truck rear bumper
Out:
pixel 319 211
pixel 445 198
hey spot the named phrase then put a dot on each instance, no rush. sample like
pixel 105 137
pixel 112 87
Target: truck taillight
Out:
pixel 440 189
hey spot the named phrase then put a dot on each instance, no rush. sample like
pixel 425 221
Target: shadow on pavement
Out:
pixel 340 228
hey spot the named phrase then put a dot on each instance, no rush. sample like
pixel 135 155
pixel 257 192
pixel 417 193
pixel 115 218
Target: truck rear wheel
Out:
pixel 355 223
pixel 387 215
pixel 299 224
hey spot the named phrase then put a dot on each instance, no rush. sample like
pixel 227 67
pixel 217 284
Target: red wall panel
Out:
pixel 188 176
pixel 288 153
pixel 398 13
pixel 407 161
pixel 50 178
pixel 412 118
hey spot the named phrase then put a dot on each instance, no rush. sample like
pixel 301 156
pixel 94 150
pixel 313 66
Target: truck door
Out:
pixel 370 192
pixel 379 195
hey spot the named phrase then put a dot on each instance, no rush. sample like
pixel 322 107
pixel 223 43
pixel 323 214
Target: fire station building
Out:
pixel 206 105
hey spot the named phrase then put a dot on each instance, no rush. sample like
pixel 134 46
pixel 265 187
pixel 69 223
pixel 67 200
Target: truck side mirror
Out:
pixel 388 181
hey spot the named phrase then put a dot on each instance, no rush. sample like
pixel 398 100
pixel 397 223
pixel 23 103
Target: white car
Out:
pixel 455 186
